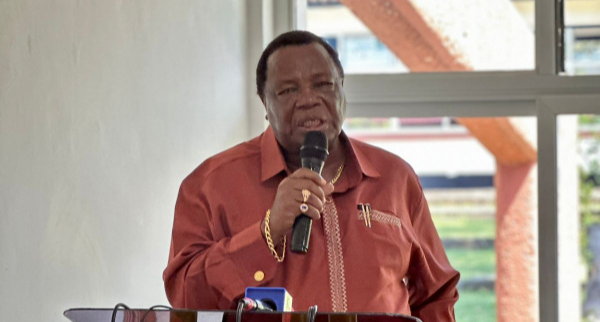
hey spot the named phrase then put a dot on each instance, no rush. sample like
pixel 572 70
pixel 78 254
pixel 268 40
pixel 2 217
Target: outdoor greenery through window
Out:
pixel 579 211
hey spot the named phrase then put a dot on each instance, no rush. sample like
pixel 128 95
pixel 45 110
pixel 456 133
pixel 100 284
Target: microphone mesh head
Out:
pixel 315 146
pixel 316 138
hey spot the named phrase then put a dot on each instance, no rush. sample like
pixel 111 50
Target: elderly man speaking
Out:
pixel 373 245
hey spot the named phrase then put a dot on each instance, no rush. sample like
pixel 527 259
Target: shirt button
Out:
pixel 259 276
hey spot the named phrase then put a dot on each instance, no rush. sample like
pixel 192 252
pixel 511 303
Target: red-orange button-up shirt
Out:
pixel 397 265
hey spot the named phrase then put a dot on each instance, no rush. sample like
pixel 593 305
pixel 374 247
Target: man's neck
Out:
pixel 337 156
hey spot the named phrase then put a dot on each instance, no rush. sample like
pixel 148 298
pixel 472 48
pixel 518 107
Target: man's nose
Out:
pixel 308 98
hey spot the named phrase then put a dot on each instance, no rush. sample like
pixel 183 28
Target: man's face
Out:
pixel 303 92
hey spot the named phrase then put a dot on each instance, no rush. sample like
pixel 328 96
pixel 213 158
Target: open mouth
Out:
pixel 312 124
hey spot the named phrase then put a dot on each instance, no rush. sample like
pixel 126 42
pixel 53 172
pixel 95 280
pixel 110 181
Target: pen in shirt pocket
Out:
pixel 365 209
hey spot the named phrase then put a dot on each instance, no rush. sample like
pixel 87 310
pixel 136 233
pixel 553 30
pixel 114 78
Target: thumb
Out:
pixel 328 189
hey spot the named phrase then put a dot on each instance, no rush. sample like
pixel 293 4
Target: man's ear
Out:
pixel 262 99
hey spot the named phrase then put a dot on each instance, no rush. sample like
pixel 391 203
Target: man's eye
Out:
pixel 323 84
pixel 286 91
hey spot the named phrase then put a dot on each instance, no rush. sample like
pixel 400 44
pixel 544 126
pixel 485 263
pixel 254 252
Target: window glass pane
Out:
pixel 385 36
pixel 582 37
pixel 462 166
pixel 579 216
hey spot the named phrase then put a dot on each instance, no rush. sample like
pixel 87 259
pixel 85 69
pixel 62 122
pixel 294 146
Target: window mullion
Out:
pixel 546 36
pixel 547 214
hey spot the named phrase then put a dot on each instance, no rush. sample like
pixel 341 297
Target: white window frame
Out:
pixel 540 92
pixel 549 108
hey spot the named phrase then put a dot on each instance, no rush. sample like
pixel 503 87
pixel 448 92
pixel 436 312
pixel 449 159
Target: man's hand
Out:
pixel 286 206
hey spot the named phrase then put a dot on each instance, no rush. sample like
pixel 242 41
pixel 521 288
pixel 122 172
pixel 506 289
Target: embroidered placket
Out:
pixel 337 279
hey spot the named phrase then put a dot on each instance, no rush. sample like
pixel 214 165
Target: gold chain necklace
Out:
pixel 338 174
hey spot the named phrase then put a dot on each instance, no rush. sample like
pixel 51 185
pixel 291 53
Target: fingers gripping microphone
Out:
pixel 312 156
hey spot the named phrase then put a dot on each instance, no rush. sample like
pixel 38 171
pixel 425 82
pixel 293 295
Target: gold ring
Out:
pixel 305 195
pixel 303 208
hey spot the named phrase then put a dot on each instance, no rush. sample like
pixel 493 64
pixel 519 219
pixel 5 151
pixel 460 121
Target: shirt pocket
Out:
pixel 380 217
pixel 387 239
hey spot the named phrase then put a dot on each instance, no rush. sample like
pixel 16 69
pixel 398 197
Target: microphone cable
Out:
pixel 152 309
pixel 119 305
pixel 240 309
pixel 125 307
pixel 312 314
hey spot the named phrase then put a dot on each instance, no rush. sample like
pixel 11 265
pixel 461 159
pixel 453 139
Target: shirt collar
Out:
pixel 273 163
pixel 356 154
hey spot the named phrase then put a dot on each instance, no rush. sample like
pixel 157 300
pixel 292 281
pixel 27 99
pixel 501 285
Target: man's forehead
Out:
pixel 294 56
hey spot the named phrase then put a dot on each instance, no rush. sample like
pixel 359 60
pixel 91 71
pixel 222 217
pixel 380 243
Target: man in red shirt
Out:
pixel 235 212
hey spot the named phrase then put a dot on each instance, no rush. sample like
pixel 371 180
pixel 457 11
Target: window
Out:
pixel 582 37
pixel 578 161
pixel 427 36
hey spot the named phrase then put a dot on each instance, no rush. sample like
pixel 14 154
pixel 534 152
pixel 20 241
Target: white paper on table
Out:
pixel 210 317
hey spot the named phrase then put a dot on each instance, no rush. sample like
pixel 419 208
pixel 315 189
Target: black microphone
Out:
pixel 312 156
pixel 249 304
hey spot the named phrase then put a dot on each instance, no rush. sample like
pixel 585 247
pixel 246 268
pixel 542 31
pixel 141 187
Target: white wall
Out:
pixel 105 106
